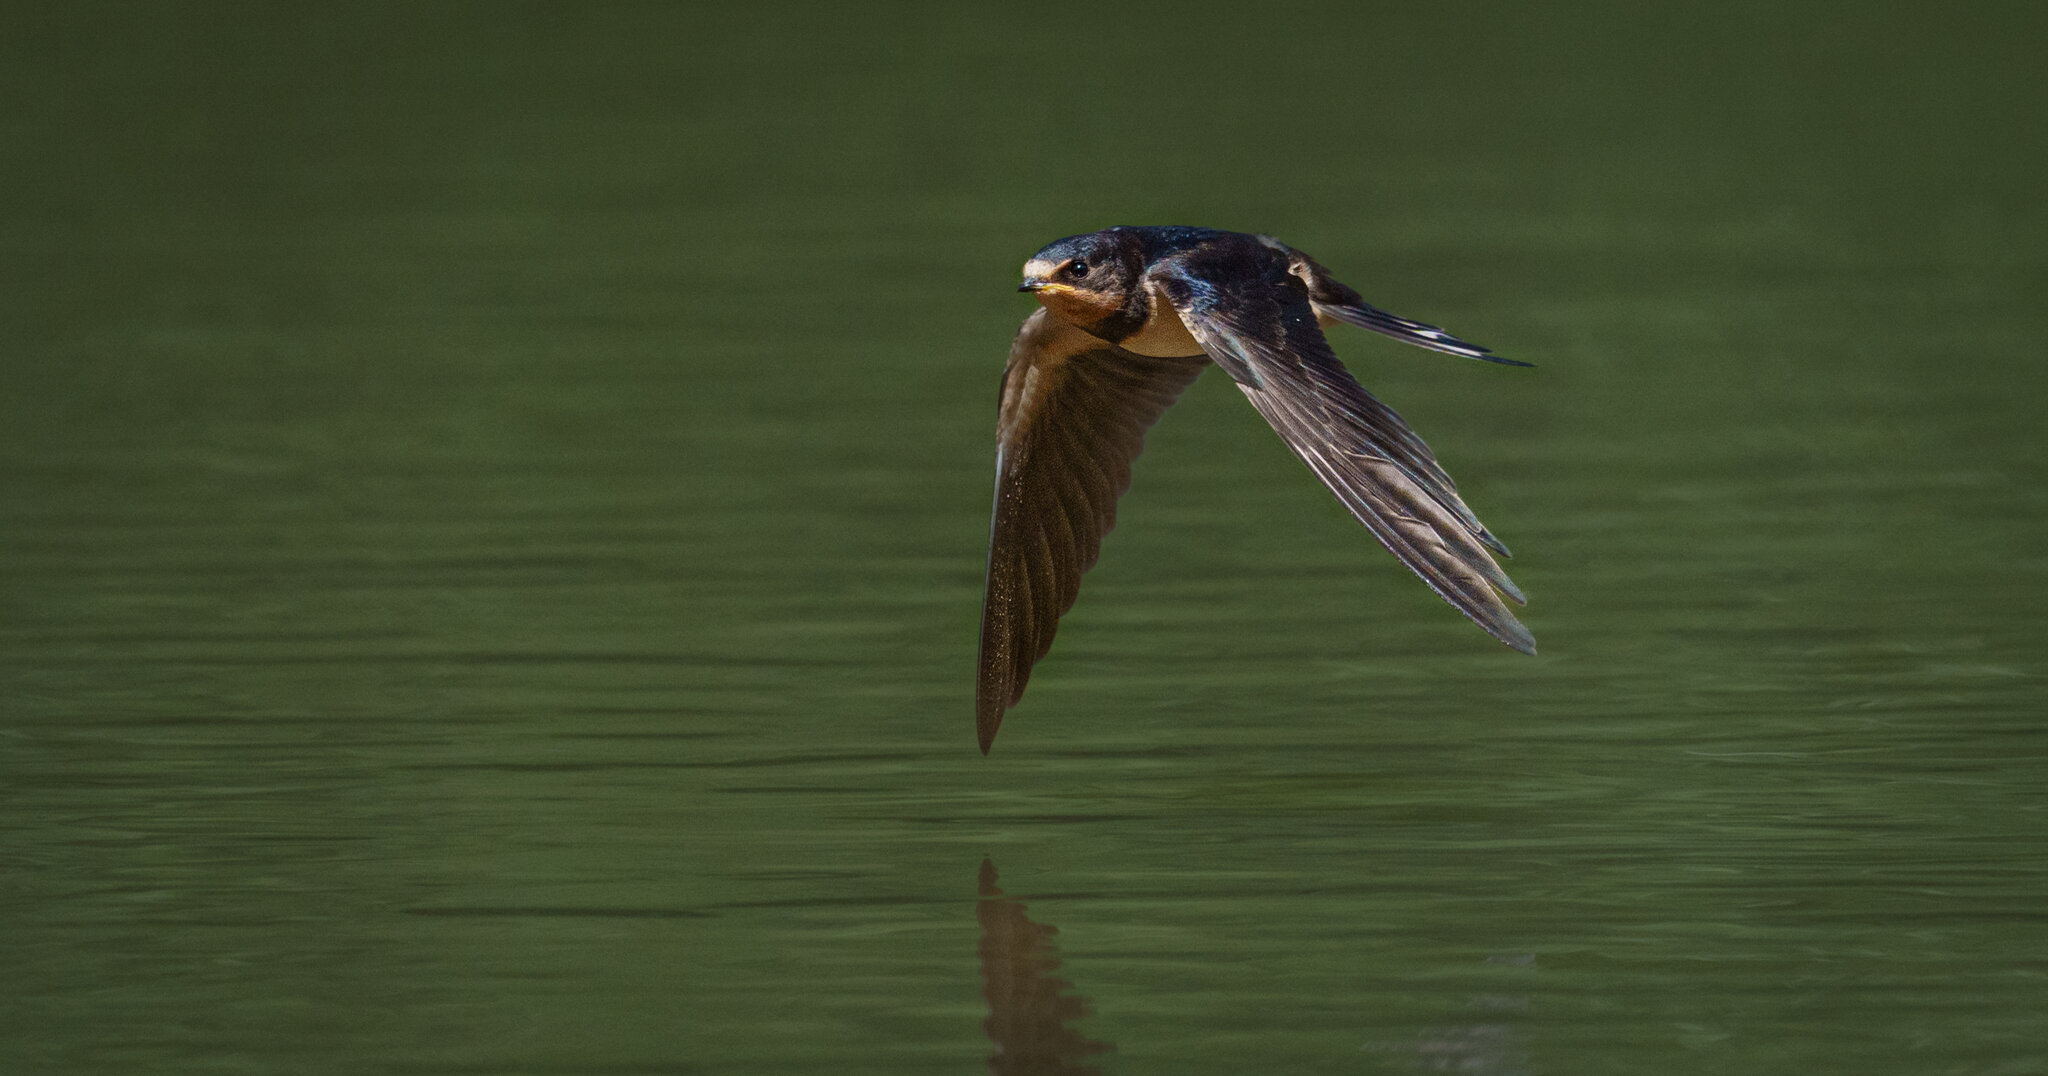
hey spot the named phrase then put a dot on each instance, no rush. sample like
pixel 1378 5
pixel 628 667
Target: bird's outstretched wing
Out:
pixel 1265 323
pixel 1073 416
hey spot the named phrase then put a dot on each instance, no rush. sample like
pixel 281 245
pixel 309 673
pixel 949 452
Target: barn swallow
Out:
pixel 1128 317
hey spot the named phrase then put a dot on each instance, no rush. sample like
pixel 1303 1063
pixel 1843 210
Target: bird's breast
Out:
pixel 1164 335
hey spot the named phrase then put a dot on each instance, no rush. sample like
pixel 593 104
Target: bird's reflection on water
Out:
pixel 1029 1009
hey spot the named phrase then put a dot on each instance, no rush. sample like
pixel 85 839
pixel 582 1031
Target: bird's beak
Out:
pixel 1039 283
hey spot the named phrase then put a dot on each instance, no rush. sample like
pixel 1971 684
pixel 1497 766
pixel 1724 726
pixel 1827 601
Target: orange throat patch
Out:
pixel 1075 306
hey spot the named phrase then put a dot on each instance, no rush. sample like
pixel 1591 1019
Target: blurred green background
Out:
pixel 493 498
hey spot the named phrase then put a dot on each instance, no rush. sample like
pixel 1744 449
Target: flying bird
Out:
pixel 1128 317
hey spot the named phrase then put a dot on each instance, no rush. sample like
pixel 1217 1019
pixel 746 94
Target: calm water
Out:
pixel 491 535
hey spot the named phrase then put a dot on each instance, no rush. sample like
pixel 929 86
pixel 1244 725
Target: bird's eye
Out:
pixel 1078 268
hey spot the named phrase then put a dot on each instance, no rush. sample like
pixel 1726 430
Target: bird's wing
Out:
pixel 1357 446
pixel 1073 416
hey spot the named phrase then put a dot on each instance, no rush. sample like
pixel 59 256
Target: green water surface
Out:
pixel 493 499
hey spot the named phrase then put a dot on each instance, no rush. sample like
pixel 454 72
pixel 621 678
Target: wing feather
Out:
pixel 1073 416
pixel 1355 445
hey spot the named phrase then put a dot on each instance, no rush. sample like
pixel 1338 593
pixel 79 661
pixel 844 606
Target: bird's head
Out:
pixel 1091 281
